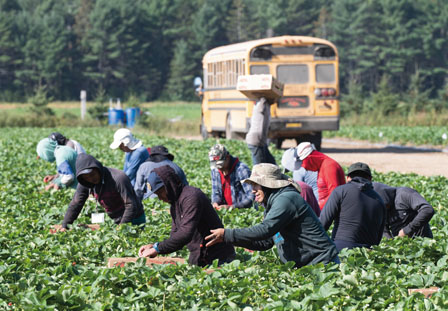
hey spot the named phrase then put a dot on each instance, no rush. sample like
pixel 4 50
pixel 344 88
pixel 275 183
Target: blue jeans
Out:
pixel 336 260
pixel 261 154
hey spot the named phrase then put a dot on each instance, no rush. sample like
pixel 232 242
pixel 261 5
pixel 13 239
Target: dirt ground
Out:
pixel 382 158
pixel 386 158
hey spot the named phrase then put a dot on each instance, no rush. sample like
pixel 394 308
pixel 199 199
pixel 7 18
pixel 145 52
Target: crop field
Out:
pixel 67 271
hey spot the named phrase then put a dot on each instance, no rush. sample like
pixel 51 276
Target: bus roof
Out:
pixel 244 47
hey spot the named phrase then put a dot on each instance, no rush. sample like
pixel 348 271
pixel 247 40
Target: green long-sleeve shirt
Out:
pixel 302 238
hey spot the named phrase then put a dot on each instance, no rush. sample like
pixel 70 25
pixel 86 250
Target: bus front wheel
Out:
pixel 204 132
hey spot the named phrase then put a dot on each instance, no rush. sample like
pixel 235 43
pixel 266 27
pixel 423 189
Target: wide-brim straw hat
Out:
pixel 270 176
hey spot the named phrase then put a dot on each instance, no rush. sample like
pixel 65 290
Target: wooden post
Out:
pixel 83 104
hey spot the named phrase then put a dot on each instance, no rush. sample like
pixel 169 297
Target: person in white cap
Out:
pixel 299 173
pixel 136 153
pixel 289 222
pixel 329 172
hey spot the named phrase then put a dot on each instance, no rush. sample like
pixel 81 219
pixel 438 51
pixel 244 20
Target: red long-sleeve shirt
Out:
pixel 330 174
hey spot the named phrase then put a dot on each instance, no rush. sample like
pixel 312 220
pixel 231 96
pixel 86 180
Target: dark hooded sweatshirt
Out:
pixel 115 193
pixel 358 213
pixel 192 219
pixel 407 210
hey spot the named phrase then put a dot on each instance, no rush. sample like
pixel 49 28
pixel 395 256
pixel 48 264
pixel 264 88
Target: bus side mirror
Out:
pixel 198 86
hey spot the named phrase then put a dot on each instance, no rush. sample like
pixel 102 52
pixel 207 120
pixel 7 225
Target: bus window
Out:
pixel 261 53
pixel 325 73
pixel 293 74
pixel 259 70
pixel 324 52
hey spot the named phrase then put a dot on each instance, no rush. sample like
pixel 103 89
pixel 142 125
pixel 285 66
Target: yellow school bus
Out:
pixel 308 68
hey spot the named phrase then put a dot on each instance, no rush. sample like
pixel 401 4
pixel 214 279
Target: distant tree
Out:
pixel 356 30
pixel 171 21
pixel 241 25
pixel 44 41
pixel 180 83
pixel 118 47
pixel 39 102
pixel 10 55
pixel 289 17
pixel 209 25
pixel 321 25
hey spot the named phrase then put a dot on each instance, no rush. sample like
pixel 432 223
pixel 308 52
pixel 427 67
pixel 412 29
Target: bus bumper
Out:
pixel 292 127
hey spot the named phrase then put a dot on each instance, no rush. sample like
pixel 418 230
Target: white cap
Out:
pixel 289 160
pixel 304 149
pixel 125 137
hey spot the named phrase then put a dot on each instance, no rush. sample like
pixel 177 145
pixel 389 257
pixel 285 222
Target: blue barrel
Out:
pixel 132 115
pixel 116 117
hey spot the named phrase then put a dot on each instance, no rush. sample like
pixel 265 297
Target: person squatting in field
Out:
pixel 159 156
pixel 358 212
pixel 110 187
pixel 408 213
pixel 192 219
pixel 227 172
pixel 136 153
pixel 64 141
pixel 289 222
pixel 329 172
pixel 65 158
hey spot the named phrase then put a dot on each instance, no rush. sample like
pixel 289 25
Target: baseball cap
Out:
pixel 125 137
pixel 217 155
pixel 153 183
pixel 359 166
pixel 290 160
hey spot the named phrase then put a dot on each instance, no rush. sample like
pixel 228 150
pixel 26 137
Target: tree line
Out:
pixel 152 49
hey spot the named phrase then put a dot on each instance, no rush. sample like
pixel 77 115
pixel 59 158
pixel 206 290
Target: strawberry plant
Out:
pixel 43 271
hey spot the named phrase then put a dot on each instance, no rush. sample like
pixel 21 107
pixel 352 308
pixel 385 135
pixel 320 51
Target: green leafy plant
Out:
pixel 43 271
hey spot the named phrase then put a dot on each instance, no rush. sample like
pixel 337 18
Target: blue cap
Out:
pixel 154 183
